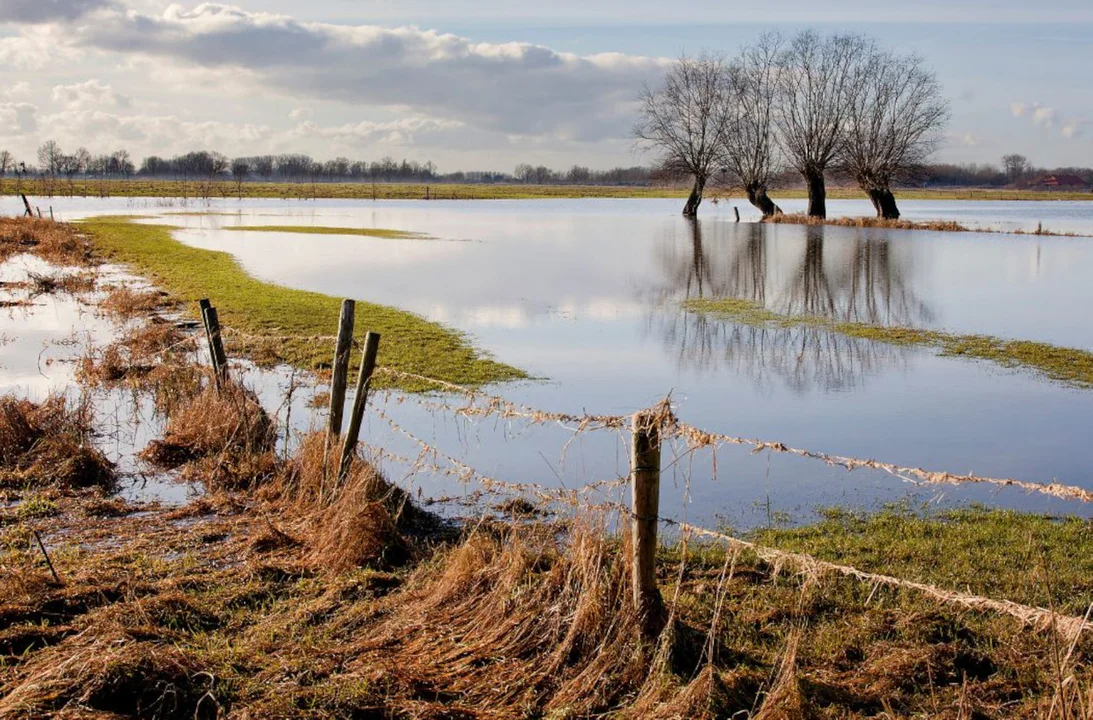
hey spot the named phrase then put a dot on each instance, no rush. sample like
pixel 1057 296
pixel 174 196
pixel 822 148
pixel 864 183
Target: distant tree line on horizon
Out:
pixel 1014 170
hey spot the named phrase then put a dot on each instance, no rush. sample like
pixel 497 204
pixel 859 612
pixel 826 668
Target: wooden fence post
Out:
pixel 216 343
pixel 30 213
pixel 352 435
pixel 338 381
pixel 340 372
pixel 645 484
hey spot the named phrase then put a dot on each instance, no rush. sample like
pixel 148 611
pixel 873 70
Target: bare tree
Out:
pixel 751 153
pixel 50 157
pixel 7 164
pixel 1016 166
pixel 240 170
pixel 894 124
pixel 687 121
pixel 817 78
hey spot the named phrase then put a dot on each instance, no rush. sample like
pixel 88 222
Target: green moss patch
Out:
pixel 289 320
pixel 1067 365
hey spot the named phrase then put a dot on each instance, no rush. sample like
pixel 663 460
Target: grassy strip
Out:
pixel 931 225
pixel 1067 365
pixel 1032 559
pixel 417 191
pixel 317 230
pixel 262 309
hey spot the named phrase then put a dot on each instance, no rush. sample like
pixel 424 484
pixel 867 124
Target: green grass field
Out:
pixel 278 324
pixel 416 191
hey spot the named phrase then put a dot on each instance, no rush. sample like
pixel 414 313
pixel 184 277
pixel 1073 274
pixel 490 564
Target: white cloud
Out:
pixel 1075 128
pixel 300 113
pixel 92 94
pixel 16 90
pixel 1044 117
pixel 510 88
pixel 18 118
pixel 1019 109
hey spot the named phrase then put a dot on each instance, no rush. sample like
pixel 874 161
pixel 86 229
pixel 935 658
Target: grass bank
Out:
pixel 140 187
pixel 1067 365
pixel 318 230
pixel 882 223
pixel 274 323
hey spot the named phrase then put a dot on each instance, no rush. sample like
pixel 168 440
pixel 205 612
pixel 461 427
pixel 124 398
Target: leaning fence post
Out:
pixel 340 374
pixel 338 381
pixel 645 484
pixel 352 435
pixel 30 213
pixel 216 343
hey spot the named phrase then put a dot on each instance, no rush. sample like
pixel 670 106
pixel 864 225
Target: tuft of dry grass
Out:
pixel 57 243
pixel 870 222
pixel 71 283
pixel 224 437
pixel 49 444
pixel 125 302
pixel 362 521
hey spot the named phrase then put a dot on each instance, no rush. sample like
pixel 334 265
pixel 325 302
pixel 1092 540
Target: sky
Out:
pixel 488 84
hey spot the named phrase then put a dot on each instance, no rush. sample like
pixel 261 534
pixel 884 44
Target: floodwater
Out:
pixel 585 296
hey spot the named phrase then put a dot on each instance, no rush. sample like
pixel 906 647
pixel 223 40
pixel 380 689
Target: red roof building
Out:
pixel 1071 182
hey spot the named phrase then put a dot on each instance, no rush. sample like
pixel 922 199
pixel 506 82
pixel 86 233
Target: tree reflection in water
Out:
pixel 857 279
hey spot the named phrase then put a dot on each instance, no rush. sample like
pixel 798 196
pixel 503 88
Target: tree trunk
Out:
pixel 884 202
pixel 757 196
pixel 817 194
pixel 691 208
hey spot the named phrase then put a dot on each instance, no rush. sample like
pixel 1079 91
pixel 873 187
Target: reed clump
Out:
pixel 125 302
pixel 360 520
pixel 49 445
pixel 222 437
pixel 870 222
pixel 57 243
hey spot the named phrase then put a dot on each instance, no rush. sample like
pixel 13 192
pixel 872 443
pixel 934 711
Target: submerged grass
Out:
pixel 929 225
pixel 317 230
pixel 1067 365
pixel 280 323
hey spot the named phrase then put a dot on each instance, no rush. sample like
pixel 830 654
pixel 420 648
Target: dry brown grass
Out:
pixel 870 222
pixel 125 302
pixel 57 243
pixel 72 283
pixel 49 444
pixel 222 436
pixel 363 521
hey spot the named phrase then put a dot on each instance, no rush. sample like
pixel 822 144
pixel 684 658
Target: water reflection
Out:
pixel 855 280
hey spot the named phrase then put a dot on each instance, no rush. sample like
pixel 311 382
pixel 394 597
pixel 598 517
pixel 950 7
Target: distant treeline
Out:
pixel 206 165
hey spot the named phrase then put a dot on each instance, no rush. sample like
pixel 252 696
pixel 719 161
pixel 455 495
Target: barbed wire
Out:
pixel 1041 618
pixel 484 405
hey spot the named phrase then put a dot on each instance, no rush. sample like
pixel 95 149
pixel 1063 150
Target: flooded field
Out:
pixel 586 297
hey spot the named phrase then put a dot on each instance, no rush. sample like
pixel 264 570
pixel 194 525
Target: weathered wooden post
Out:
pixel 30 213
pixel 352 435
pixel 204 305
pixel 645 484
pixel 340 371
pixel 216 344
pixel 338 381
